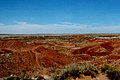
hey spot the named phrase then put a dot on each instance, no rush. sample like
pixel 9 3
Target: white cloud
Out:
pixel 26 28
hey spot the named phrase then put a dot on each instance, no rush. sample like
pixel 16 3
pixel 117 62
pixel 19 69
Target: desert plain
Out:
pixel 32 56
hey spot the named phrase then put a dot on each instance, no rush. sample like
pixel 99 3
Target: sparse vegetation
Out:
pixel 27 55
pixel 75 71
pixel 70 71
pixel 113 73
pixel 17 78
pixel 13 78
pixel 104 68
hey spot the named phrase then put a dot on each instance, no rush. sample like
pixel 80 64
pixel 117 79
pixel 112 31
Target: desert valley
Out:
pixel 59 57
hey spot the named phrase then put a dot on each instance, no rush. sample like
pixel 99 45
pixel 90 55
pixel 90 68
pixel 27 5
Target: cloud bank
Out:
pixel 61 28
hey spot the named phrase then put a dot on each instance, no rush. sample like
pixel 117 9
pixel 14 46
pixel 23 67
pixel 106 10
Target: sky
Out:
pixel 59 16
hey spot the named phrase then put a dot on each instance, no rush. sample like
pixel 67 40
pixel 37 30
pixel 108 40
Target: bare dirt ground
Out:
pixel 33 53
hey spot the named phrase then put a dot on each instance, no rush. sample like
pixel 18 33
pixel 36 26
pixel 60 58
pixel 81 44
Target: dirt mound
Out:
pixel 26 57
pixel 108 46
pixel 5 50
pixel 96 50
pixel 112 56
pixel 50 58
pixel 15 62
pixel 116 45
pixel 15 56
pixel 96 40
pixel 83 56
pixel 14 45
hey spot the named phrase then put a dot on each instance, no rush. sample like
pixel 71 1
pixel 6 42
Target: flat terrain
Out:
pixel 42 54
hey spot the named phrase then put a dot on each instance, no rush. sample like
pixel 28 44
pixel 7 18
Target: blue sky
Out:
pixel 59 16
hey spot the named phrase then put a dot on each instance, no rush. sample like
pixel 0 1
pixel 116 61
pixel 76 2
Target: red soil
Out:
pixel 49 58
pixel 23 56
pixel 113 56
pixel 101 49
pixel 16 56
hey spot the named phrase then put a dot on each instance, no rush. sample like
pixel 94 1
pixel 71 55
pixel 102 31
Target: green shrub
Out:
pixel 88 66
pixel 16 78
pixel 70 71
pixel 75 71
pixel 89 73
pixel 113 73
pixel 104 68
pixel 13 78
